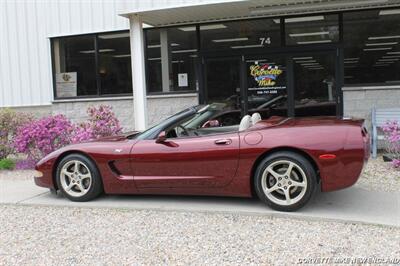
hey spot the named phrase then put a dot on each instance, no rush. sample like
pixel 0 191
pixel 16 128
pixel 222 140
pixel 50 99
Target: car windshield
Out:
pixel 206 113
pixel 149 133
pixel 191 118
pixel 220 114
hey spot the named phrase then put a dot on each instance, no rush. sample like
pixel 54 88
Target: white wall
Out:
pixel 25 28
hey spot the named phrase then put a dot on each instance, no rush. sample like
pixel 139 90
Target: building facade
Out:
pixel 150 59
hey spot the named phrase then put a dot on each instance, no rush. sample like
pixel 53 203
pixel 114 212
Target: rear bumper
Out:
pixel 350 165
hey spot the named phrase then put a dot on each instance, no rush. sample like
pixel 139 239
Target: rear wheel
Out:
pixel 78 178
pixel 285 181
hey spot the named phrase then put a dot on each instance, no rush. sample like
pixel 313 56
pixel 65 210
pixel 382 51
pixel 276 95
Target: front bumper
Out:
pixel 43 176
pixel 39 181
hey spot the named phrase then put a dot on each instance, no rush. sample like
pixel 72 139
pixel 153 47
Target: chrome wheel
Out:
pixel 75 178
pixel 284 182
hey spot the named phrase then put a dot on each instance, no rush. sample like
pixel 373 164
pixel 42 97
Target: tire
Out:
pixel 78 178
pixel 274 184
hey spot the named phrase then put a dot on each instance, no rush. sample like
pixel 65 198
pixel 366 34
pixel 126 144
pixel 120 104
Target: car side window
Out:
pixel 182 131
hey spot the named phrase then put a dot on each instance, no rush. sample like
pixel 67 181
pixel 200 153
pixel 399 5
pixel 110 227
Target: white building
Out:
pixel 331 57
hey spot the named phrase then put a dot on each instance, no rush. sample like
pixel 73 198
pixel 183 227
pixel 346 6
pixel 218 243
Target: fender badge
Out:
pixel 118 150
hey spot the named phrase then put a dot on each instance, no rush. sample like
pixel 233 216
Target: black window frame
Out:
pixel 96 55
pixel 201 53
pixel 147 73
pixel 342 69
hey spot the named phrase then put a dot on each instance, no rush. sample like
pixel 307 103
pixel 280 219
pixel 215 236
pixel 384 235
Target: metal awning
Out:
pixel 242 9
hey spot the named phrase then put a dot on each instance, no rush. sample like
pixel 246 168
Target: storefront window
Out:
pixel 248 34
pixel 171 55
pixel 314 84
pixel 312 30
pixel 75 66
pixel 76 73
pixel 223 80
pixel 223 87
pixel 372 47
pixel 115 63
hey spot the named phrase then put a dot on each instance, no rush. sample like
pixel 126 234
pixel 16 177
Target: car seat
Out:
pixel 245 123
pixel 255 118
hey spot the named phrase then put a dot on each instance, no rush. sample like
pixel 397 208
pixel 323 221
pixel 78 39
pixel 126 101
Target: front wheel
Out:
pixel 78 178
pixel 285 181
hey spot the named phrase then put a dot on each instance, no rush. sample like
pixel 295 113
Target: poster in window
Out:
pixel 266 79
pixel 66 84
pixel 183 80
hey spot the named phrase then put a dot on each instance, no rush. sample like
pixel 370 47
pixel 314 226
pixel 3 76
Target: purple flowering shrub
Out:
pixel 25 164
pixel 82 133
pixel 102 122
pixel 40 137
pixel 391 130
pixel 10 121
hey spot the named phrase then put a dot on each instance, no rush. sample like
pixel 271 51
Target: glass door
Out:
pixel 314 82
pixel 284 84
pixel 222 79
pixel 223 88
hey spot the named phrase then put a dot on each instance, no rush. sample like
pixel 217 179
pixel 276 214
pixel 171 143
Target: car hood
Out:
pixel 95 145
pixel 121 137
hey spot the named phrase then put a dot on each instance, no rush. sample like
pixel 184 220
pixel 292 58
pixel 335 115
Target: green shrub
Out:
pixel 7 164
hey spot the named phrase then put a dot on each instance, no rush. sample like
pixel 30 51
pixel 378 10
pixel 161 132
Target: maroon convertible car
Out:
pixel 281 160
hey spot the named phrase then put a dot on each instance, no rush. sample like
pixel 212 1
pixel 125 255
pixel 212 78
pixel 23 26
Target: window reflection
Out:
pixel 312 30
pixel 115 63
pixel 240 35
pixel 315 85
pixel 75 66
pixel 171 54
pixel 372 47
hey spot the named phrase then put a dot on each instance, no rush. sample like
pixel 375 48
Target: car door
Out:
pixel 204 161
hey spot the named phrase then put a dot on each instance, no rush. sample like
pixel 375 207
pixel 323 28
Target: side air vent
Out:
pixel 113 168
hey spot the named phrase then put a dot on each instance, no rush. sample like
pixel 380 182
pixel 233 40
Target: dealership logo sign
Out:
pixel 265 75
pixel 66 77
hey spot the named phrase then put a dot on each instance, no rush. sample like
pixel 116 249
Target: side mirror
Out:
pixel 211 123
pixel 162 137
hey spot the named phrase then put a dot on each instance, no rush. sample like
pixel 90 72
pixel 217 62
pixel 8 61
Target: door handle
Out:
pixel 223 141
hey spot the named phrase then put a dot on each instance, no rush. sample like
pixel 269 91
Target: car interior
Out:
pixel 210 127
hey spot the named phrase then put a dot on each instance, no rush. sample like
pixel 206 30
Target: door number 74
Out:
pixel 265 40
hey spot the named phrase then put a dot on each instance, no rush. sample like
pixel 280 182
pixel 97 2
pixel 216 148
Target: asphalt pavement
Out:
pixel 349 205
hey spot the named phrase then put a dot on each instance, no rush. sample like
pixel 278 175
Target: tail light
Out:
pixel 366 141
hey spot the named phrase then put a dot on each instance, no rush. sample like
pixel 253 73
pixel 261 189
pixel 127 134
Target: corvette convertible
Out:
pixel 283 161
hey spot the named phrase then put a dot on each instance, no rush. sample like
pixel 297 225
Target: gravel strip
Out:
pixel 83 236
pixel 380 176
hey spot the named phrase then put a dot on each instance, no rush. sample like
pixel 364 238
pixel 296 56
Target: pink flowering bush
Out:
pixel 391 130
pixel 25 164
pixel 10 121
pixel 102 122
pixel 82 133
pixel 40 137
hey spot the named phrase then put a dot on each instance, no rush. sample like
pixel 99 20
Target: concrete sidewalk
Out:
pixel 350 205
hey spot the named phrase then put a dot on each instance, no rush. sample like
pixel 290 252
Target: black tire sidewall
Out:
pixel 301 161
pixel 96 187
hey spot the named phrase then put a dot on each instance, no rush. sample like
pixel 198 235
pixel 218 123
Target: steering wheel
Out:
pixel 184 130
